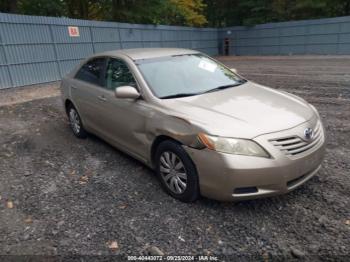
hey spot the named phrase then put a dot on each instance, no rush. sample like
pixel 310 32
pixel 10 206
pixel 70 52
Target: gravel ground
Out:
pixel 61 195
pixel 27 93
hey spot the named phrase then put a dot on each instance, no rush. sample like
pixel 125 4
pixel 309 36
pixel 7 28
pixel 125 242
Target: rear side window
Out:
pixel 92 71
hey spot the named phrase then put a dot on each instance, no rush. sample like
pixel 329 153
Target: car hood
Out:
pixel 245 111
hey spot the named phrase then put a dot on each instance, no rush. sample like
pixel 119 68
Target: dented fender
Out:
pixel 175 127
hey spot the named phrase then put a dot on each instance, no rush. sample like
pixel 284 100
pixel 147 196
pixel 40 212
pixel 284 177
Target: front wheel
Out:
pixel 176 172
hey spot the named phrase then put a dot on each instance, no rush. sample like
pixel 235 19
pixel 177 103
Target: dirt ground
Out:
pixel 63 196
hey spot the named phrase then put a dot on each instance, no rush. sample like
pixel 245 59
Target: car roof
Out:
pixel 148 53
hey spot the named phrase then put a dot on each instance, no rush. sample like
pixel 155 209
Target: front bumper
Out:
pixel 228 177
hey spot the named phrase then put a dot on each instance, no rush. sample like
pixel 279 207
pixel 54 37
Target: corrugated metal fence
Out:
pixel 322 36
pixel 39 49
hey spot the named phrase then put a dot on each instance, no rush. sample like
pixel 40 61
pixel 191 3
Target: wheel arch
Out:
pixel 156 142
pixel 67 103
pixel 161 138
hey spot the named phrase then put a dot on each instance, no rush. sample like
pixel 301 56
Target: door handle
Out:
pixel 102 98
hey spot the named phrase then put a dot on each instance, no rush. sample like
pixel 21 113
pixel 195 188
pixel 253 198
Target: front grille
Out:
pixel 294 145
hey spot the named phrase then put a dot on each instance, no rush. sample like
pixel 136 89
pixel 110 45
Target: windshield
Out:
pixel 186 75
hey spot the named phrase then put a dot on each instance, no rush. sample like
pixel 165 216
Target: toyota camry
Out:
pixel 202 127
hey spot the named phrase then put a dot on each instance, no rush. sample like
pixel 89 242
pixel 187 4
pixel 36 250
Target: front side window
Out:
pixel 186 75
pixel 118 74
pixel 92 71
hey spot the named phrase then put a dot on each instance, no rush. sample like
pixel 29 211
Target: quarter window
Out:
pixel 91 72
pixel 118 74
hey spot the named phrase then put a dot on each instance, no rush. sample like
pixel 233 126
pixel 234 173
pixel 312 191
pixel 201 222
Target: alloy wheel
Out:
pixel 74 120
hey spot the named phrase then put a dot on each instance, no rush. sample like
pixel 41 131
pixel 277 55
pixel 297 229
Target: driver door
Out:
pixel 123 119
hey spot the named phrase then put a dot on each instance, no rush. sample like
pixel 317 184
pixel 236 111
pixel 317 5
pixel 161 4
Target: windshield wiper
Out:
pixel 240 82
pixel 179 95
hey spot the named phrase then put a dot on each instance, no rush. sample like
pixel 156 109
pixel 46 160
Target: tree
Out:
pixel 338 7
pixel 175 12
pixel 188 12
pixel 8 6
pixel 41 7
pixel 251 12
pixel 134 11
pixel 215 13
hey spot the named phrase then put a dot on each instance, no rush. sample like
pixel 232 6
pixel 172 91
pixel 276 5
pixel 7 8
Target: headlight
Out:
pixel 233 145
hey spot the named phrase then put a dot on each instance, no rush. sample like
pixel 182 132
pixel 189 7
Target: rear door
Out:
pixel 87 93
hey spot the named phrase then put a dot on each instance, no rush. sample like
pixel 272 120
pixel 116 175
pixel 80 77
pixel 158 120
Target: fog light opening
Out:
pixel 245 190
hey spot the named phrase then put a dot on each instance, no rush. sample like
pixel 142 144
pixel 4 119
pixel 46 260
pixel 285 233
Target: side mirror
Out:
pixel 234 70
pixel 126 92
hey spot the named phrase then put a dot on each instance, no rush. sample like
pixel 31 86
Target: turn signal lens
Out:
pixel 206 141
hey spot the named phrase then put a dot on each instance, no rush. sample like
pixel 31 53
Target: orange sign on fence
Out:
pixel 73 31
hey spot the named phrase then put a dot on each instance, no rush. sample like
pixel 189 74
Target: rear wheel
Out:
pixel 75 122
pixel 176 171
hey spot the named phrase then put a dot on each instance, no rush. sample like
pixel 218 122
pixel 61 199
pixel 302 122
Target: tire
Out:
pixel 175 168
pixel 75 122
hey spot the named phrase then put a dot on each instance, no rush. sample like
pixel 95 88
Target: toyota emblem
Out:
pixel 308 133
